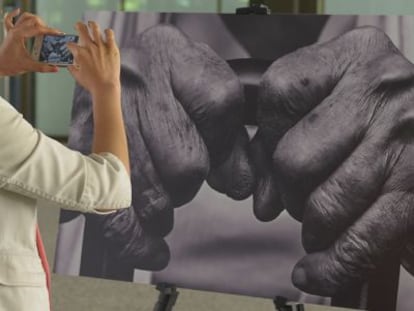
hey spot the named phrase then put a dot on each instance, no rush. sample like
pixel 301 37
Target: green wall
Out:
pixel 54 91
pixel 369 6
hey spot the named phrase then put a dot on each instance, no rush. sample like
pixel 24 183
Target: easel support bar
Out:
pixel 167 297
pixel 281 304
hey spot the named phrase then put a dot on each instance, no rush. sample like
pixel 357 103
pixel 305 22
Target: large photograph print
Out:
pixel 270 156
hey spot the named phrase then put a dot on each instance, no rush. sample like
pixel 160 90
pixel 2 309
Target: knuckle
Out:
pixel 277 80
pixel 36 24
pixel 280 90
pixel 161 35
pixel 369 42
pixel 320 224
pixel 37 20
pixel 24 15
pixel 226 97
pixel 93 24
pixel 369 34
pixel 290 161
pixel 401 129
pixel 320 207
pixel 353 255
pixel 191 171
pixel 13 31
pixel 83 28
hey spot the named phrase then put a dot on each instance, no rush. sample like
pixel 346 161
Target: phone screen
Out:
pixel 54 50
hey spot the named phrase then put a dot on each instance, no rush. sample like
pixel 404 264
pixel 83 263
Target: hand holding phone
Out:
pixel 14 56
pixel 97 59
pixel 53 50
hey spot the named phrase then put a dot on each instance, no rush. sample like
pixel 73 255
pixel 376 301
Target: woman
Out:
pixel 35 170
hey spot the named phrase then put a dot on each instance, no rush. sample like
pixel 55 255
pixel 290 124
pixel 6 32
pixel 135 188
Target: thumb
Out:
pixel 73 70
pixel 8 19
pixel 41 67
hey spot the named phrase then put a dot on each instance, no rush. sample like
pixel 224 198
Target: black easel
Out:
pixel 256 8
pixel 167 297
pixel 281 304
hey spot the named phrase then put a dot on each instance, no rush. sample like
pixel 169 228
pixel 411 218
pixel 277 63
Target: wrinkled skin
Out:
pixel 334 148
pixel 338 122
pixel 182 107
pixel 189 108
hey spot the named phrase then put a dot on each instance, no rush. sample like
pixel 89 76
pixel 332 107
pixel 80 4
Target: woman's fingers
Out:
pixel 91 34
pixel 28 25
pixel 29 18
pixel 73 48
pixel 84 37
pixel 8 19
pixel 95 32
pixel 110 38
pixel 39 67
pixel 28 31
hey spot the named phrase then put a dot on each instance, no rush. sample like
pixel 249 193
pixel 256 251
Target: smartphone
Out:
pixel 52 49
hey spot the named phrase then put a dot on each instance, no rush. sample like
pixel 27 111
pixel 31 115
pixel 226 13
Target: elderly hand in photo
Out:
pixel 190 108
pixel 183 110
pixel 337 119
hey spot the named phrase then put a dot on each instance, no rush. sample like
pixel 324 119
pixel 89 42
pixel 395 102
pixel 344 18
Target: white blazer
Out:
pixel 34 171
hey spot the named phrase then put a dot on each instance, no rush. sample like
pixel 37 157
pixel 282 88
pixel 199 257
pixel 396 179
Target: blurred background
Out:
pixel 46 102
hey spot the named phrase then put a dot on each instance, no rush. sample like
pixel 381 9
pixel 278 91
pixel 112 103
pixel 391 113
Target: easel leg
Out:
pixel 167 297
pixel 281 304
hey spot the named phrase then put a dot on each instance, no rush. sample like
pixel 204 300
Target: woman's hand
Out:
pixel 96 60
pixel 14 57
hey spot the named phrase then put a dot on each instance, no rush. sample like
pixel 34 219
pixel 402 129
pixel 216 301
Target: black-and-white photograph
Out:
pixel 270 156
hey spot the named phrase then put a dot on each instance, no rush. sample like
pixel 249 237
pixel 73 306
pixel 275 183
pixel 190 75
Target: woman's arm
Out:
pixel 39 167
pixel 97 68
pixel 35 165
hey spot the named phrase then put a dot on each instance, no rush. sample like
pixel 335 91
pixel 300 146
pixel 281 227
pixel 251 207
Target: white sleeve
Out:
pixel 37 166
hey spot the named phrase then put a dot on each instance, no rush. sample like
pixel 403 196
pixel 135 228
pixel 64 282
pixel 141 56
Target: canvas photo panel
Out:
pixel 252 155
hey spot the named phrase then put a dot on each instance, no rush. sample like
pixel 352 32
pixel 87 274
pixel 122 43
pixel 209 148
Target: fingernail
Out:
pixel 299 277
